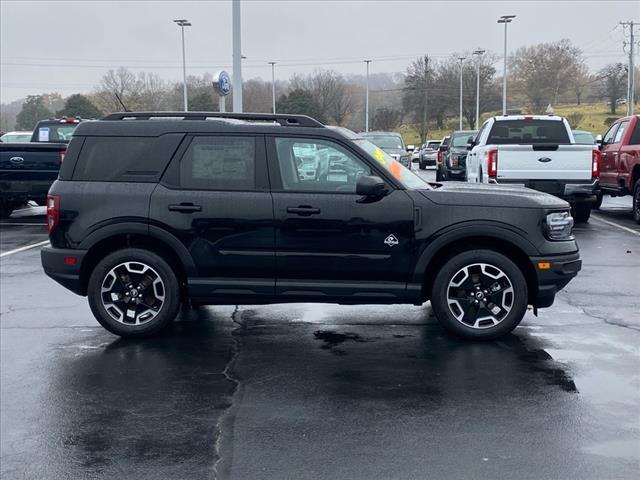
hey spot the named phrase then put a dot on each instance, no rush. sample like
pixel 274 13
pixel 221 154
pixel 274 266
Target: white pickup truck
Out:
pixel 539 152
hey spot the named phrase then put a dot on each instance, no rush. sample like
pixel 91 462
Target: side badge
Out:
pixel 391 240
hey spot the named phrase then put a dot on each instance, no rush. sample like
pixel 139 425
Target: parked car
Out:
pixel 620 163
pixel 16 137
pixel 539 152
pixel 453 166
pixel 415 153
pixel 428 154
pixel 583 137
pixel 442 150
pixel 392 143
pixel 27 170
pixel 148 213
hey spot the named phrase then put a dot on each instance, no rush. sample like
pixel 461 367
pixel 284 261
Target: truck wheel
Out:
pixel 598 203
pixel 423 166
pixel 581 212
pixel 636 201
pixel 479 294
pixel 133 293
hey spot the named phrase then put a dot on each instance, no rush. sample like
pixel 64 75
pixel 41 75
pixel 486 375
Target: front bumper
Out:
pixel 561 269
pixel 56 263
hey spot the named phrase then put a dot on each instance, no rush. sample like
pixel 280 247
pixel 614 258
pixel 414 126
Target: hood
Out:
pixel 479 194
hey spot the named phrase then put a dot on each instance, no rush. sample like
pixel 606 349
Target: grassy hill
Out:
pixel 594 117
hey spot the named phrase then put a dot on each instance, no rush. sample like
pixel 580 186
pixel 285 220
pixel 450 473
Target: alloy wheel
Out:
pixel 132 293
pixel 480 295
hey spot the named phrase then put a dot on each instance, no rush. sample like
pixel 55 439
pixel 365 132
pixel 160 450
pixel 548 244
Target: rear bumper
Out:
pixel 550 281
pixel 571 191
pixel 57 265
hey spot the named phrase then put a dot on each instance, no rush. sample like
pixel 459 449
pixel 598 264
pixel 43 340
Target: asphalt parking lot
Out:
pixel 324 391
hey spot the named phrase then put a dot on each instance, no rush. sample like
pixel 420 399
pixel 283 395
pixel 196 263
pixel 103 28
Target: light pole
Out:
pixel 506 19
pixel 183 23
pixel 461 59
pixel 273 85
pixel 478 52
pixel 237 57
pixel 366 100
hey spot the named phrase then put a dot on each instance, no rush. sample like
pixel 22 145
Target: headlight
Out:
pixel 558 226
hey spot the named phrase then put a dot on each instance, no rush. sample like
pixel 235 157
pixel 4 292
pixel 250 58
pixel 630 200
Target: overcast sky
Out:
pixel 67 46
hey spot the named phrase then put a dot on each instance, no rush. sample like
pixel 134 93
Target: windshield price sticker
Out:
pixel 43 134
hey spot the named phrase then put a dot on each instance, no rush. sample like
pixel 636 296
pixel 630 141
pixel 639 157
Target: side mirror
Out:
pixel 599 141
pixel 471 143
pixel 370 186
pixel 411 148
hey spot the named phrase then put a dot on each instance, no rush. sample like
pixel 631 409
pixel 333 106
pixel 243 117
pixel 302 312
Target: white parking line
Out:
pixel 613 224
pixel 22 249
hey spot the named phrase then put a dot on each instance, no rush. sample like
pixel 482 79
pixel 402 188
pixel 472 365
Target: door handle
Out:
pixel 185 208
pixel 303 210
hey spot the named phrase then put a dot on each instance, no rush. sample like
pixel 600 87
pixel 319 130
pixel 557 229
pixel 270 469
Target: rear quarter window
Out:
pixel 528 132
pixel 125 159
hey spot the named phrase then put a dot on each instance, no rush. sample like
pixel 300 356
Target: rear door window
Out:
pixel 528 132
pixel 219 163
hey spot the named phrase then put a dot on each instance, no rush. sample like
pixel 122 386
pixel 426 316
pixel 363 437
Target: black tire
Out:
pixel 636 202
pixel 439 175
pixel 169 306
pixel 516 302
pixel 423 166
pixel 596 206
pixel 581 212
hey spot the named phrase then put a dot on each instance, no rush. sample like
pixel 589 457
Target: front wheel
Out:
pixel 636 201
pixel 479 294
pixel 134 293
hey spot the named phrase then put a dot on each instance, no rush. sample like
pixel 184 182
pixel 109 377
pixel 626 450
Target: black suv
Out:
pixel 155 210
pixel 454 162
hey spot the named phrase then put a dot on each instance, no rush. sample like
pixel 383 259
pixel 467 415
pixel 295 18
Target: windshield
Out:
pixel 583 138
pixel 460 140
pixel 405 176
pixel 386 141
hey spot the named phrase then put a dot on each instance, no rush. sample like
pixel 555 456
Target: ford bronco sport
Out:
pixel 154 210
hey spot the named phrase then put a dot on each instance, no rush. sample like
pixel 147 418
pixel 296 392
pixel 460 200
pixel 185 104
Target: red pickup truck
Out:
pixel 620 161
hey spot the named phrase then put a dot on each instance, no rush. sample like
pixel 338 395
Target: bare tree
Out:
pixel 330 92
pixel 415 98
pixel 613 84
pixel 545 71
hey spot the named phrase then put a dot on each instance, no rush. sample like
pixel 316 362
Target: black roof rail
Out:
pixel 283 119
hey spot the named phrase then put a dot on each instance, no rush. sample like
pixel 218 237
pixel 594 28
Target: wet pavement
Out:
pixel 324 391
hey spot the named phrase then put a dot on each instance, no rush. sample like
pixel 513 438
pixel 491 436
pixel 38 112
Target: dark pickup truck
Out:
pixel 27 170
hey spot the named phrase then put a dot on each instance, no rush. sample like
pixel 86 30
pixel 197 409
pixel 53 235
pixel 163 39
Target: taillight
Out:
pixel 61 156
pixel 53 212
pixel 492 162
pixel 439 157
pixel 595 164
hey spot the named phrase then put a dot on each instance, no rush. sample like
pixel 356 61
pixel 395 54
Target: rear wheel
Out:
pixel 581 212
pixel 479 294
pixel 134 293
pixel 636 201
pixel 596 206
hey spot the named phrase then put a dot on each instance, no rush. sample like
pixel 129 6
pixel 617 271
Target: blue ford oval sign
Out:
pixel 222 83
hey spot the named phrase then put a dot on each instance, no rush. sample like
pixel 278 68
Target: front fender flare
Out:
pixel 448 235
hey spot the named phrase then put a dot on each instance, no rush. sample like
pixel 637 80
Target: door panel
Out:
pixel 221 215
pixel 331 242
